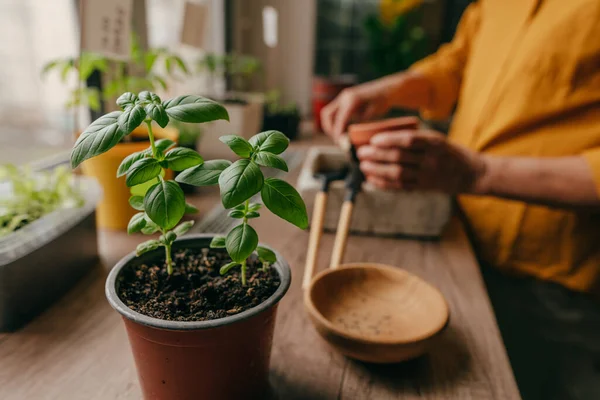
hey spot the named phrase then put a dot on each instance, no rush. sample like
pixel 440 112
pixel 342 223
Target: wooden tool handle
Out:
pixel 316 230
pixel 341 237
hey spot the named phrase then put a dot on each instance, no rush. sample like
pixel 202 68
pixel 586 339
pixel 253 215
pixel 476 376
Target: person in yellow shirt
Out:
pixel 523 158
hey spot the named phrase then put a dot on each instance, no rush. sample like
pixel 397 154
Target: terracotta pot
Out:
pixel 222 359
pixel 361 134
pixel 114 211
pixel 325 89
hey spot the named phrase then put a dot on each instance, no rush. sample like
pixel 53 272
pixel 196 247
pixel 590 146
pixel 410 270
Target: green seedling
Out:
pixel 34 195
pixel 162 207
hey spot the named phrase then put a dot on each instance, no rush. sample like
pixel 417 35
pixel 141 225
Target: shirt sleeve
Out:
pixel 592 157
pixel 444 69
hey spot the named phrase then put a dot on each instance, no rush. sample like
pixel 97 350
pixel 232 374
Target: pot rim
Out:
pixel 281 266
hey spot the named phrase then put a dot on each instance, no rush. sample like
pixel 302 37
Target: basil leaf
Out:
pixel 241 207
pixel 162 145
pixel 150 227
pixel 157 113
pixel 147 246
pixel 238 145
pixel 236 214
pixel 266 255
pixel 284 201
pixel 271 141
pixel 182 228
pixel 149 97
pixel 241 242
pixel 126 100
pixel 206 174
pixel 141 190
pixel 218 242
pixel 142 171
pixel 252 214
pixel 240 181
pixel 136 223
pixel 131 118
pixel 195 109
pixel 165 204
pixel 129 161
pixel 137 202
pixel 181 158
pixel 190 209
pixel 271 160
pixel 102 135
pixel 225 268
pixel 254 207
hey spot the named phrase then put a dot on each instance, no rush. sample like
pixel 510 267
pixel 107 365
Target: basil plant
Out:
pixel 163 206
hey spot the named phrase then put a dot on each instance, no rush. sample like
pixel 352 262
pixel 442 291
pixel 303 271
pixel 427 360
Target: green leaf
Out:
pixel 169 237
pixel 271 160
pixel 266 255
pixel 236 214
pixel 240 181
pixel 102 135
pixel 127 100
pixel 270 141
pixel 284 201
pixel 218 242
pixel 195 109
pixel 182 228
pixel 150 227
pixel 131 118
pixel 190 209
pixel 147 246
pixel 162 145
pixel 206 174
pixel 129 161
pixel 136 223
pixel 254 207
pixel 238 144
pixel 141 190
pixel 240 207
pixel 165 204
pixel 241 242
pixel 252 214
pixel 149 97
pixel 157 113
pixel 225 268
pixel 142 171
pixel 181 158
pixel 137 202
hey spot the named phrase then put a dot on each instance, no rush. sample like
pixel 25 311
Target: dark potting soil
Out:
pixel 195 291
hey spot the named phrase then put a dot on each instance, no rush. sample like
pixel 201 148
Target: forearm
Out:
pixel 408 89
pixel 559 182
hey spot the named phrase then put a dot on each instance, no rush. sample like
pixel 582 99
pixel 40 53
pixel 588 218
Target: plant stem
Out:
pixel 168 258
pixel 151 137
pixel 244 273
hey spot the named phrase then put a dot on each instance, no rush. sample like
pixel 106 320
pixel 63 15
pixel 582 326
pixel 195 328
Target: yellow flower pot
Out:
pixel 114 211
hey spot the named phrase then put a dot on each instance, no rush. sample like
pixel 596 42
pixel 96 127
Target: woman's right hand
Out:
pixel 374 99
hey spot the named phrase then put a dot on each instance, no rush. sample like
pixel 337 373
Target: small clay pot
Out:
pixel 221 359
pixel 361 134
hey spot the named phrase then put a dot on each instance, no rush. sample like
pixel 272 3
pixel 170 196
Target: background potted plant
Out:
pixel 146 70
pixel 281 117
pixel 46 215
pixel 245 108
pixel 199 312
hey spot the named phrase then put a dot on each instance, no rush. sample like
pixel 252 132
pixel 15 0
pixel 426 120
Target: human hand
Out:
pixel 420 160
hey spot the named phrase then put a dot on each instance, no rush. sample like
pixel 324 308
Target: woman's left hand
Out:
pixel 421 160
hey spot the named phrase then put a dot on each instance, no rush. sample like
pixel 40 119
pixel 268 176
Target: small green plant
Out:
pixel 275 106
pixel 34 195
pixel 137 74
pixel 239 69
pixel 163 206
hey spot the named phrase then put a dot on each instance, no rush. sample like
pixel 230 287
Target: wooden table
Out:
pixel 78 349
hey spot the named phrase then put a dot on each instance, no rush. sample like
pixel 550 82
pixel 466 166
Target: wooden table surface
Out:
pixel 78 349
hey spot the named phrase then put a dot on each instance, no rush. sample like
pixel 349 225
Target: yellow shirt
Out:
pixel 525 78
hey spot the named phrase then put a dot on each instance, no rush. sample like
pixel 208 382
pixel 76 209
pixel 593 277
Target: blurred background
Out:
pixel 274 62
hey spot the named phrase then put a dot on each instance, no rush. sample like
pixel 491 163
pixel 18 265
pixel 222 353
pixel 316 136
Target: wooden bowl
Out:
pixel 376 313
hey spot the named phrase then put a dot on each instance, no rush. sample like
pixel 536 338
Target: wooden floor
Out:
pixel 78 349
